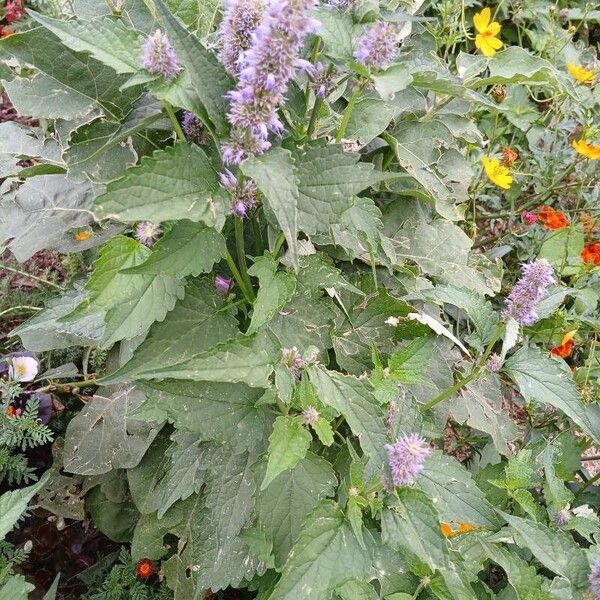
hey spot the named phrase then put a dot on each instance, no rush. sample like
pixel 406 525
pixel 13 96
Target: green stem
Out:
pixel 451 390
pixel 66 386
pixel 22 307
pixel 238 278
pixel 586 485
pixel 241 254
pixel 314 117
pixel 347 114
pixel 278 244
pixel 259 245
pixel 34 277
pixel 176 125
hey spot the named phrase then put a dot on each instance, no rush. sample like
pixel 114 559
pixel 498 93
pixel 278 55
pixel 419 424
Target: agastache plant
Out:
pixel 267 67
pixel 159 57
pixel 379 45
pixel 406 458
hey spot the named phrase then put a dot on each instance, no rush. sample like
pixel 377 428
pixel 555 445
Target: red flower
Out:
pixel 144 569
pixel 552 219
pixel 13 11
pixel 529 218
pixel 591 254
pixel 566 346
pixel 11 411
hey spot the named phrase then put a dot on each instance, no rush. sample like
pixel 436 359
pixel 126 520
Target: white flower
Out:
pixel 392 321
pixel 23 368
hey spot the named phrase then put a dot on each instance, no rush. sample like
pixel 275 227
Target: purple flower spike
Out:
pixel 529 291
pixel 147 232
pixel 266 69
pixel 223 285
pixel 406 458
pixel 243 194
pixel 377 48
pixel 561 517
pixel 594 578
pixel 241 19
pixel 193 128
pixel 311 415
pixel 494 363
pixel 322 80
pixel 159 57
pixel 292 360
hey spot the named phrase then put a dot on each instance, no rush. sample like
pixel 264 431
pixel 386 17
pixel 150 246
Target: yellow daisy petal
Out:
pixel 494 28
pixel 488 44
pixel 482 19
pixel 586 149
pixel 581 74
pixel 497 173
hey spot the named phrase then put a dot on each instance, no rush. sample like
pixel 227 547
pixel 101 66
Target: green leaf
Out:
pixel 543 379
pixel 288 444
pixel 454 492
pixel 199 17
pixel 392 80
pixel 338 32
pixel 324 557
pixel 51 593
pixel 186 249
pixel 14 503
pixel 290 497
pixel 276 289
pixel 274 175
pixel 196 324
pixel 172 183
pixel 371 116
pixel 108 40
pixel 354 399
pixel 246 359
pixel 101 437
pixel 410 363
pixel 554 548
pixel 563 249
pixel 16 587
pixel 357 590
pixel 324 432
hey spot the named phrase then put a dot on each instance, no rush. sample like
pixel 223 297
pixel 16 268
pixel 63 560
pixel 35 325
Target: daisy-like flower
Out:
pixel 406 458
pixel 581 74
pixel 566 345
pixel 159 57
pixel 590 254
pixel 497 173
pixel 591 151
pixel 552 219
pixel 145 569
pixel 594 577
pixel 23 368
pixel 310 415
pixel 147 232
pixel 486 39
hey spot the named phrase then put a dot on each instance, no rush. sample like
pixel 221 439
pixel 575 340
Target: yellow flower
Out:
pixel 487 30
pixel 498 174
pixel 586 149
pixel 581 74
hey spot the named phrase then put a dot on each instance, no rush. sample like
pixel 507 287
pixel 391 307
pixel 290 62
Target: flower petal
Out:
pixel 482 19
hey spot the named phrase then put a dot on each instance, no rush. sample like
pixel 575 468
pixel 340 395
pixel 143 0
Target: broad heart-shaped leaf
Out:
pixel 41 213
pixel 454 493
pixel 202 84
pixel 353 398
pixel 441 249
pixel 544 379
pixel 288 444
pixel 14 503
pixel 554 548
pixel 68 79
pixel 245 359
pixel 324 557
pixel 276 289
pixel 102 438
pixel 131 302
pixel 479 405
pixel 108 40
pixel 290 497
pixel 175 183
pixel 44 331
pixel 186 249
pixel 275 176
pixel 197 323
pixel 225 413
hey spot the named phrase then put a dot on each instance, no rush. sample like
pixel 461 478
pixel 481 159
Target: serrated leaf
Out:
pixel 554 548
pixel 410 363
pixel 339 33
pixel 276 289
pixel 292 495
pixel 186 249
pixel 324 557
pixel 352 398
pixel 108 40
pixel 324 432
pixel 543 379
pixel 197 323
pixel 288 444
pixel 199 17
pixel 101 437
pixel 178 182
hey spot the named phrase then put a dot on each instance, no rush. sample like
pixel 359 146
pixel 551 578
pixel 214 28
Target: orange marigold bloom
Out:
pixel 81 236
pixel 552 219
pixel 591 254
pixel 144 569
pixel 449 531
pixel 509 156
pixel 566 345
pixel 11 411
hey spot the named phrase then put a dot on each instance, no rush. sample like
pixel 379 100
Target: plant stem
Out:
pixel 278 244
pixel 451 390
pixel 587 484
pixel 66 386
pixel 22 307
pixel 314 117
pixel 176 125
pixel 238 278
pixel 347 114
pixel 34 277
pixel 259 245
pixel 241 254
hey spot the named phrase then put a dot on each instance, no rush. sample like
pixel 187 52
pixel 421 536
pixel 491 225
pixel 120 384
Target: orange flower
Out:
pixel 552 219
pixel 591 151
pixel 447 530
pixel 509 156
pixel 144 569
pixel 467 527
pixel 590 254
pixel 11 411
pixel 81 236
pixel 566 345
pixel 5 32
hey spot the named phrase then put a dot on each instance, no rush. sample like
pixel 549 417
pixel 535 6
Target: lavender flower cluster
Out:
pixel 266 69
pixel 159 57
pixel 594 578
pixel 406 458
pixel 377 48
pixel 243 194
pixel 529 291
